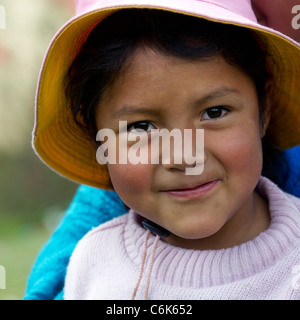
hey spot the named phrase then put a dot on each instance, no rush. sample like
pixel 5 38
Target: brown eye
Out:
pixel 214 113
pixel 140 126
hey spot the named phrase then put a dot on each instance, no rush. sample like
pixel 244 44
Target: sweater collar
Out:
pixel 206 268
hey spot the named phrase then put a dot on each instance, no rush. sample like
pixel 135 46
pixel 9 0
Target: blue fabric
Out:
pixel 292 180
pixel 92 207
pixel 89 208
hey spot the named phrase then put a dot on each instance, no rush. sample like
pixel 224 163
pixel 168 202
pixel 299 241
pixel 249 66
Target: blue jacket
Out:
pixel 91 207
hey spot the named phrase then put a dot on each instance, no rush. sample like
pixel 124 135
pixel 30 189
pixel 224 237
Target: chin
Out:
pixel 196 232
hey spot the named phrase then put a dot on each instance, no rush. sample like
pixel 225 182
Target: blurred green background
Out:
pixel 32 197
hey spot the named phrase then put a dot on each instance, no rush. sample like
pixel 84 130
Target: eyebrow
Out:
pixel 130 110
pixel 219 93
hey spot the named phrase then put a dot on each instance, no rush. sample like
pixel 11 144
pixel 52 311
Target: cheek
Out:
pixel 130 181
pixel 239 150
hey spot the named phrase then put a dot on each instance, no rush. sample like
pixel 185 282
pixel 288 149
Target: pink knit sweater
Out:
pixel 107 261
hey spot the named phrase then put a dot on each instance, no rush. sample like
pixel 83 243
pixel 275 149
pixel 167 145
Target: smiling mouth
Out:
pixel 192 193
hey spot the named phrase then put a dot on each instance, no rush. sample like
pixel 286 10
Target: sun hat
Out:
pixel 57 139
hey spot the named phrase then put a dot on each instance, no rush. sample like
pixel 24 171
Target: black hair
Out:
pixel 113 41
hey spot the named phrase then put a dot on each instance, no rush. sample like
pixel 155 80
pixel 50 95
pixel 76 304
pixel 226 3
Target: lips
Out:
pixel 192 193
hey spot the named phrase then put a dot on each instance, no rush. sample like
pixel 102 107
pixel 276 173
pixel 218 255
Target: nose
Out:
pixel 183 150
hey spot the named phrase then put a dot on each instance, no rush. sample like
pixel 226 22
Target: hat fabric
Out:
pixel 60 143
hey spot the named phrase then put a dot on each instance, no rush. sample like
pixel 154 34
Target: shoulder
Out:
pixel 293 199
pixel 107 233
pixel 96 251
pixel 281 204
pixel 272 192
pixel 284 207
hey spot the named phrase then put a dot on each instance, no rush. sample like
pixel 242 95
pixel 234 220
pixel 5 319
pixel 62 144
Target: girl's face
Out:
pixel 218 208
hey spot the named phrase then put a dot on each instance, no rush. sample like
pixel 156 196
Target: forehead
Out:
pixel 150 74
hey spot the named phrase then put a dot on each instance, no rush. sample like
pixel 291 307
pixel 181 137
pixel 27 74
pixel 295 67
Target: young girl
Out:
pixel 225 234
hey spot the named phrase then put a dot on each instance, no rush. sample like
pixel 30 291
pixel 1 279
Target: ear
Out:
pixel 79 116
pixel 267 107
